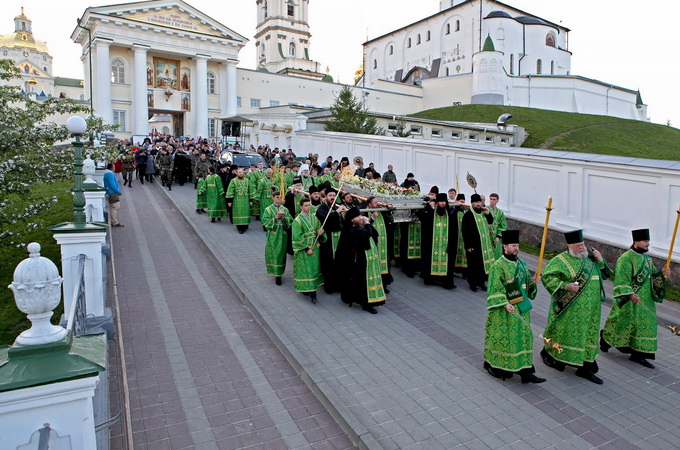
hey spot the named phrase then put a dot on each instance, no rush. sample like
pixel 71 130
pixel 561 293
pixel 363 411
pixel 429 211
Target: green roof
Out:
pixel 488 44
pixel 327 78
pixel 23 366
pixel 639 101
pixel 74 82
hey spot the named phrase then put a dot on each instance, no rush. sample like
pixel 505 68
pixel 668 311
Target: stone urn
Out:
pixel 37 291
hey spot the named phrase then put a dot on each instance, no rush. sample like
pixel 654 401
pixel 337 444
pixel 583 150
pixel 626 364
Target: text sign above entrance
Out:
pixel 173 19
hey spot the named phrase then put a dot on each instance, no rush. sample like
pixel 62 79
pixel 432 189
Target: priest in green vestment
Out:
pixel 574 280
pixel 508 339
pixel 238 199
pixel 307 235
pixel 264 189
pixel 478 248
pixel 214 193
pixel 277 221
pixel 439 242
pixel 638 286
pixel 383 223
pixel 360 257
pixel 461 257
pixel 256 174
pixel 500 224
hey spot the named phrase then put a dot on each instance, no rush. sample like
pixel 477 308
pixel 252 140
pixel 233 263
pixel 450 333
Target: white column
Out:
pixel 200 103
pixel 231 87
pixel 140 106
pixel 90 244
pixel 223 89
pixel 95 199
pixel 102 84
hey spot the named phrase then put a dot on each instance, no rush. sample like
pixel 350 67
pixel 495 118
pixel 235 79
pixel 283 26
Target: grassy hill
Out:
pixel 574 132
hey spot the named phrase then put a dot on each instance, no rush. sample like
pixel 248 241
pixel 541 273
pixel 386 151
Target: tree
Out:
pixel 401 130
pixel 351 116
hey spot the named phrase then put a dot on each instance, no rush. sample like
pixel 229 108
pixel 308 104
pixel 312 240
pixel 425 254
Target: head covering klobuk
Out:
pixel 574 237
pixel 510 236
pixel 313 189
pixel 475 198
pixel 352 213
pixel 460 197
pixel 297 180
pixel 409 175
pixel 641 234
pixel 441 197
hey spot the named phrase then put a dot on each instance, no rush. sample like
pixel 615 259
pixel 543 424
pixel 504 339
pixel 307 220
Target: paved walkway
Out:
pixel 408 377
pixel 202 372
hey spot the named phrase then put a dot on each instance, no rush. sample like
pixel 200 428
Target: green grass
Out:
pixel 574 132
pixel 13 321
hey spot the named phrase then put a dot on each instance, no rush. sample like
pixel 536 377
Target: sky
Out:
pixel 621 42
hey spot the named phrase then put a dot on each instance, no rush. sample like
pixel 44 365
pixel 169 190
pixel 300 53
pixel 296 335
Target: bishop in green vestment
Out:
pixel 508 340
pixel 307 234
pixel 638 286
pixel 214 193
pixel 277 221
pixel 238 199
pixel 500 224
pixel 574 280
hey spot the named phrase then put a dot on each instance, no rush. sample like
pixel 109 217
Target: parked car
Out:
pixel 242 159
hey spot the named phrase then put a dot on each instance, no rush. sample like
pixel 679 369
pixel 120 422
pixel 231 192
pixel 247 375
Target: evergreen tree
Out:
pixel 350 115
pixel 401 130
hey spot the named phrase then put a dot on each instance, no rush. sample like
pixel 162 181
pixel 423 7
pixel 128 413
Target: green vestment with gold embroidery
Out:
pixel 508 339
pixel 201 199
pixel 573 318
pixel 499 225
pixel 306 268
pixel 214 193
pixel 629 325
pixel 239 196
pixel 264 192
pixel 277 238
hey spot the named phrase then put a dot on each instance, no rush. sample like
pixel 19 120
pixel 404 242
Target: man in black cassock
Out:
pixel 328 249
pixel 439 242
pixel 360 263
pixel 477 242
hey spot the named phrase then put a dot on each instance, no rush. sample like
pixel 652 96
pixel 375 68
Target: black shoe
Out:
pixel 125 184
pixel 588 375
pixel 603 344
pixel 219 219
pixel 387 291
pixel 328 290
pixel 212 220
pixel 410 274
pixel 491 372
pixel 241 231
pixel 312 295
pixel 278 281
pixel 473 288
pixel 643 362
pixel 198 211
pixel 551 362
pixel 531 378
pixel 449 286
pixel 370 309
pixel 170 188
pixel 482 287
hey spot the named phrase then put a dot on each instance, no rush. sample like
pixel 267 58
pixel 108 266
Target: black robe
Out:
pixel 329 268
pixel 476 276
pixel 352 247
pixel 426 217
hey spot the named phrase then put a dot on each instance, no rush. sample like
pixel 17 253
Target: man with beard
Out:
pixel 315 198
pixel 305 177
pixel 264 189
pixel 293 197
pixel 382 222
pixel 362 282
pixel 574 281
pixel 478 247
pixel 508 341
pixel 499 225
pixel 638 285
pixel 332 226
pixel 439 242
pixel 256 174
pixel 461 258
pixel 238 199
pixel 277 221
pixel 307 234
pixel 346 200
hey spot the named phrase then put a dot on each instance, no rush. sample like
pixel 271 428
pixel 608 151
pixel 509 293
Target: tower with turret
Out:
pixel 282 38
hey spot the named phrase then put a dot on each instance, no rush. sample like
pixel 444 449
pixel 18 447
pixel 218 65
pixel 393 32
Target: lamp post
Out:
pixel 77 127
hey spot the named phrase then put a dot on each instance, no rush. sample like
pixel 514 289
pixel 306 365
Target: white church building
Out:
pixel 488 52
pixel 150 59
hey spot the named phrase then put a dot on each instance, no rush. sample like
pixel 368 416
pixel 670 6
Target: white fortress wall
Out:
pixel 606 196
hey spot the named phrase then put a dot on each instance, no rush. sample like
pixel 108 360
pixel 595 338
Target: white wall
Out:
pixel 606 196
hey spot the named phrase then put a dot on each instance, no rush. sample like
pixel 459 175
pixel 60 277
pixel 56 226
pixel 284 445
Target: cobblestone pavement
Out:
pixel 202 371
pixel 410 376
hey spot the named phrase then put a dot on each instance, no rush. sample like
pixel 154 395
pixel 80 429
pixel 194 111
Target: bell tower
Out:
pixel 282 38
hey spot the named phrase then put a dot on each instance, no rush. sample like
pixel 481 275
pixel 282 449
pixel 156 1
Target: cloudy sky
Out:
pixel 619 42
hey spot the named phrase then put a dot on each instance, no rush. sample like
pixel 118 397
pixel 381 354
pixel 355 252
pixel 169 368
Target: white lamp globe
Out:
pixel 76 125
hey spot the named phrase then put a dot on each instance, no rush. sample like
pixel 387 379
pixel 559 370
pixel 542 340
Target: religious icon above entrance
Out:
pixel 166 73
pixel 185 83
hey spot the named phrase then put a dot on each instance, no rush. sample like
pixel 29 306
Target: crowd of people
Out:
pixel 349 245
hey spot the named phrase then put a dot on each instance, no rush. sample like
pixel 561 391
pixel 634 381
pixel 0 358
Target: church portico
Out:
pixel 162 55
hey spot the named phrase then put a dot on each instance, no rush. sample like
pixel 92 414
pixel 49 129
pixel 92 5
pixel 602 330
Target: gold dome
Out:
pixel 23 40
